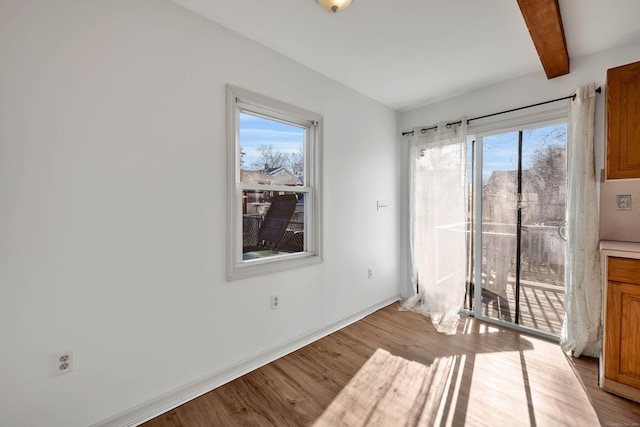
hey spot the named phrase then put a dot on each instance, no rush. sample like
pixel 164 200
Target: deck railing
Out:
pixel 542 252
pixel 292 240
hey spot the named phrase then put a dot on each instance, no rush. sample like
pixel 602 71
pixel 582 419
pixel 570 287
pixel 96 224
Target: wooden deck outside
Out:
pixel 541 276
pixel 541 305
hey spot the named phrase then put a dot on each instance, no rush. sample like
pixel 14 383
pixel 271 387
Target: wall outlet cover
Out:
pixel 623 202
pixel 63 362
pixel 275 302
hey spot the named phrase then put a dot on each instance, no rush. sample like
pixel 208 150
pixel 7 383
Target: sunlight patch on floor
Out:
pixel 390 390
pixel 470 326
pixel 469 389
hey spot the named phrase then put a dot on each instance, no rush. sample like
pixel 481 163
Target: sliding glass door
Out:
pixel 517 228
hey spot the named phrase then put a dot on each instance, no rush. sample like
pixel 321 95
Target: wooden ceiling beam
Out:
pixel 545 26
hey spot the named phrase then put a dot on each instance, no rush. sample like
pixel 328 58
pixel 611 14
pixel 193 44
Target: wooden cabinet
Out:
pixel 621 352
pixel 623 122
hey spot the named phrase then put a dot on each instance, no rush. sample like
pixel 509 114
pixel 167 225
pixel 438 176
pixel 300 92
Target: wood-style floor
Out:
pixel 501 375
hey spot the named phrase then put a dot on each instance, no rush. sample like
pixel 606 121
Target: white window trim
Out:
pixel 243 100
pixel 537 116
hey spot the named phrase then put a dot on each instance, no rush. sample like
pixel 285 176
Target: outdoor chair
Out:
pixel 275 223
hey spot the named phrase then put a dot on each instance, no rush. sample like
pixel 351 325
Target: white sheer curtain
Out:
pixel 583 296
pixel 437 179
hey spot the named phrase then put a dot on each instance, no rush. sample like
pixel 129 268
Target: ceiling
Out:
pixel 407 53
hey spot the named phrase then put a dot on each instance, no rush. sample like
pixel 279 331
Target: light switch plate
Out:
pixel 623 202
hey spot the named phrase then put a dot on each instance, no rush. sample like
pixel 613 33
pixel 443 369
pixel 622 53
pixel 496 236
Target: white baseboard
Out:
pixel 163 403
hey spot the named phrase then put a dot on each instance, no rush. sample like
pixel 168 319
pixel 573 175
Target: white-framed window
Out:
pixel 274 195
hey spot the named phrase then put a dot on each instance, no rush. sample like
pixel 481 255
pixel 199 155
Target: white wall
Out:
pixel 531 89
pixel 112 206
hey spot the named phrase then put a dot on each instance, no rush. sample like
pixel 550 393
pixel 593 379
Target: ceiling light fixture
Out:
pixel 334 5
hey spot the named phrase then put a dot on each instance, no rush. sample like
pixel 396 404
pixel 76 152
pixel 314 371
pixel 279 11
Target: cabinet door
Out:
pixel 623 122
pixel 622 363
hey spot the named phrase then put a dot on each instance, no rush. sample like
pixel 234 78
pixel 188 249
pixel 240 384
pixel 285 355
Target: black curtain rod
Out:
pixel 598 90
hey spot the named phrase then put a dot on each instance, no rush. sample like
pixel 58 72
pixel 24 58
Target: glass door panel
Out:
pixel 499 221
pixel 522 249
pixel 544 187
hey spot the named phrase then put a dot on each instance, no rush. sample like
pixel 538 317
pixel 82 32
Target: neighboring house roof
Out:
pixel 279 175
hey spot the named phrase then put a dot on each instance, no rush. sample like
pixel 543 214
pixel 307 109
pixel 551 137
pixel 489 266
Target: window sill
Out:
pixel 267 264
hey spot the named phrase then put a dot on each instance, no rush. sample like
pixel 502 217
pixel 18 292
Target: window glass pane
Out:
pixel 542 258
pixel 273 223
pixel 271 152
pixel 499 225
pixel 544 160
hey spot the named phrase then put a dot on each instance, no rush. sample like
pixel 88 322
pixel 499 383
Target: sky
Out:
pixel 256 131
pixel 500 152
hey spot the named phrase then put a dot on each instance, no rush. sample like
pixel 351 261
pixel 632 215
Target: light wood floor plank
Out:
pixel 481 374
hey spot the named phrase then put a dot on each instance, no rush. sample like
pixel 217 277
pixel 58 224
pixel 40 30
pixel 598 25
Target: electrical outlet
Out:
pixel 369 272
pixel 63 362
pixel 623 202
pixel 275 302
